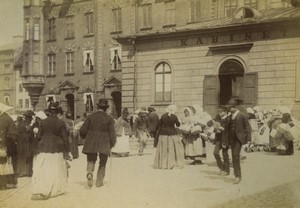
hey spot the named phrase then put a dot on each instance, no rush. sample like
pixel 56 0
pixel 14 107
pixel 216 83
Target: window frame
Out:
pixel 69 62
pixel 117 20
pixel 6 83
pixel 251 3
pixel 146 16
pixel 163 73
pixel 89 17
pixel 116 54
pixel 20 103
pixel 70 30
pixel 170 13
pixel 36 31
pixel 195 10
pixel 88 68
pixel 52 29
pixel 51 64
pixel 27 103
pixel 232 7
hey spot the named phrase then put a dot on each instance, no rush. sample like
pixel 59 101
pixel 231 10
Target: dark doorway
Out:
pixel 231 76
pixel 117 97
pixel 70 104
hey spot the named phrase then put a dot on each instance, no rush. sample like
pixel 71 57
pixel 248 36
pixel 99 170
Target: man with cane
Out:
pixel 100 136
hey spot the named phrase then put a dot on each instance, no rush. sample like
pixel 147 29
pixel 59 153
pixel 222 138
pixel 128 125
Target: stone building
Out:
pixel 203 52
pixel 69 55
pixel 10 79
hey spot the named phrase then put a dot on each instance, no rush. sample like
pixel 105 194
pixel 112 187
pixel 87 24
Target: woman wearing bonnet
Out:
pixel 169 152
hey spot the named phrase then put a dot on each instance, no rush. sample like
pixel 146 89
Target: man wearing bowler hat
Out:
pixel 100 136
pixel 239 132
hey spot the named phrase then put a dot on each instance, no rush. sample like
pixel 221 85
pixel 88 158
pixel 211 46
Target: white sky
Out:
pixel 11 20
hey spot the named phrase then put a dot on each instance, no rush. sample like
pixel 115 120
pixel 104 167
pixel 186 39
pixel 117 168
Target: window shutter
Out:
pixel 250 89
pixel 210 94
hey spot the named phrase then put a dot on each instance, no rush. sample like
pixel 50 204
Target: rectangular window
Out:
pixel 20 103
pixel 88 61
pixel 170 13
pixel 20 88
pixel 69 63
pixel 36 32
pixel 51 64
pixel 70 27
pixel 230 7
pixel 88 102
pixel 89 23
pixel 115 58
pixel 195 10
pixel 26 103
pixel 251 3
pixel 146 18
pixel 7 68
pixel 117 17
pixel 27 29
pixel 52 29
pixel 6 83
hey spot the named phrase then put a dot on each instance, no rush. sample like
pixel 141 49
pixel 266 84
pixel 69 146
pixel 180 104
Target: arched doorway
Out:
pixel 231 77
pixel 70 104
pixel 117 98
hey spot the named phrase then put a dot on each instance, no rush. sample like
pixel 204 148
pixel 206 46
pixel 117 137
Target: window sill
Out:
pixel 50 76
pixel 161 103
pixel 91 72
pixel 116 32
pixel 52 40
pixel 145 28
pixel 88 35
pixel 70 38
pixel 69 74
pixel 169 26
pixel 116 70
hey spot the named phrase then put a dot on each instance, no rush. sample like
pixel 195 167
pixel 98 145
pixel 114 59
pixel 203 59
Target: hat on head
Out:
pixel 232 102
pixel 103 103
pixel 28 113
pixel 143 110
pixel 4 108
pixel 222 108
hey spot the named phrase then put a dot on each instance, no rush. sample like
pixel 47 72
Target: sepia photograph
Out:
pixel 150 103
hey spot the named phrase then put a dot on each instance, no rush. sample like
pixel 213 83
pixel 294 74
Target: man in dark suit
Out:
pixel 239 132
pixel 153 124
pixel 100 136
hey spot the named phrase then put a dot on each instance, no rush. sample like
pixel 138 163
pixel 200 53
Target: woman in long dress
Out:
pixel 123 131
pixel 49 177
pixel 169 152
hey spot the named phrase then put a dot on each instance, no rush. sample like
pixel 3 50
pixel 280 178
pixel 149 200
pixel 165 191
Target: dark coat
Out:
pixel 167 124
pixel 53 136
pixel 223 135
pixel 242 128
pixel 99 133
pixel 8 133
pixel 153 121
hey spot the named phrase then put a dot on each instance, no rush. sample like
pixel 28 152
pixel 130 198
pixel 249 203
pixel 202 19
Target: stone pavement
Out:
pixel 268 181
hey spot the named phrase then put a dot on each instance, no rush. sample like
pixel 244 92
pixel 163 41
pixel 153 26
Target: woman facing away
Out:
pixel 49 177
pixel 170 151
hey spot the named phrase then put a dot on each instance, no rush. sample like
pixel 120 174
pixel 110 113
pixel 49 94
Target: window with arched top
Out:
pixel 163 82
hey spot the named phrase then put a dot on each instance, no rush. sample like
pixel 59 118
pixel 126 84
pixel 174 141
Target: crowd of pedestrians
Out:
pixel 40 145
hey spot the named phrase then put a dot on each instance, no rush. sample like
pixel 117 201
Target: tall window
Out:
pixel 20 88
pixel 6 99
pixel 89 102
pixel 26 64
pixel 27 29
pixel 170 13
pixel 117 17
pixel 52 29
pixel 251 3
pixel 7 68
pixel 69 63
pixel 51 64
pixel 6 83
pixel 230 7
pixel 26 103
pixel 36 31
pixel 115 58
pixel 69 27
pixel 146 18
pixel 20 103
pixel 88 61
pixel 195 10
pixel 163 83
pixel 89 23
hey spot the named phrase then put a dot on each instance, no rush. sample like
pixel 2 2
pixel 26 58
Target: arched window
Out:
pixel 163 82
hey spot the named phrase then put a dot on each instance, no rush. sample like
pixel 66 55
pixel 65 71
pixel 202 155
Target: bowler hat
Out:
pixel 232 102
pixel 102 103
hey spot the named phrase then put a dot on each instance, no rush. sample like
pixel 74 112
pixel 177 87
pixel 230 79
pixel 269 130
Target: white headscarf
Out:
pixel 4 108
pixel 171 109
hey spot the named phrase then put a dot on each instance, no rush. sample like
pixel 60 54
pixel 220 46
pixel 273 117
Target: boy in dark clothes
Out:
pixel 221 141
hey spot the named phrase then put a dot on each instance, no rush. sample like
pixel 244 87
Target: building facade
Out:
pixel 204 52
pixel 70 56
pixel 10 69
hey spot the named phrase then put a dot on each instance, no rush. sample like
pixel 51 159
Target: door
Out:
pixel 211 94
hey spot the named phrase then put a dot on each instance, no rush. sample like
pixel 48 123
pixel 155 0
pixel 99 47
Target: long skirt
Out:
pixel 192 145
pixel 122 145
pixel 169 152
pixel 49 174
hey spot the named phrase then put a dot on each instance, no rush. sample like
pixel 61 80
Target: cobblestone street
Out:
pixel 268 181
